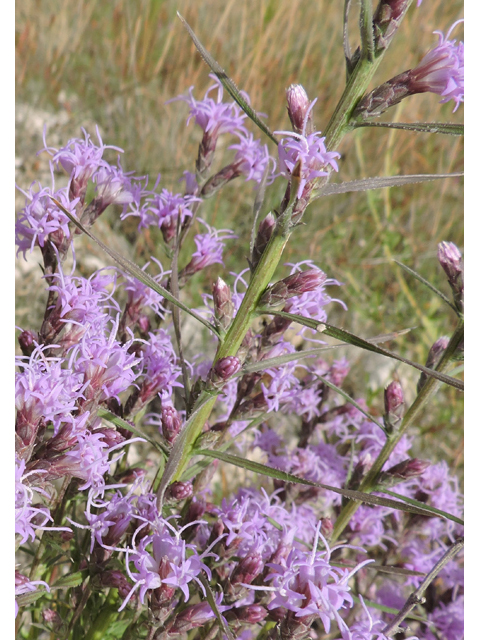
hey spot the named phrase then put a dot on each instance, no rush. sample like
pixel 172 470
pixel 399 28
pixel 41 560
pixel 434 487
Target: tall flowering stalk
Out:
pixel 152 549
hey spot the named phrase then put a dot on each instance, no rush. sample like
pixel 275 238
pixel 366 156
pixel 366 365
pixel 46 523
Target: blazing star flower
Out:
pixel 209 251
pixel 44 391
pixel 106 365
pixel 159 367
pixel 448 621
pixel 169 565
pixel 41 221
pixel 311 150
pixel 27 517
pixel 80 159
pixel 252 158
pixel 80 304
pixel 441 71
pixel 215 117
pixel 162 209
pixel 309 586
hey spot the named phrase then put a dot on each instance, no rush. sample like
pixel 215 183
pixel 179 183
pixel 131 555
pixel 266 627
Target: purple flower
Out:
pixel 163 210
pixel 28 518
pixel 309 586
pixel 80 304
pixel 44 392
pixel 448 621
pixel 252 158
pixel 41 221
pixel 141 295
pixel 311 151
pixel 214 116
pixel 168 564
pixel 441 70
pixel 80 159
pixel 106 365
pixel 209 251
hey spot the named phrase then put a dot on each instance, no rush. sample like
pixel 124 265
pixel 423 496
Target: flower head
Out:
pixel 441 70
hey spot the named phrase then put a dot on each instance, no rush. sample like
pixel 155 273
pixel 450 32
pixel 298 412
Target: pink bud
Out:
pixel 298 106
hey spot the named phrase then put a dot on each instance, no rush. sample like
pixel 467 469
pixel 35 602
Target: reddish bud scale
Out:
pixel 222 303
pixel 298 106
pixel 171 424
pixel 451 261
pixel 433 358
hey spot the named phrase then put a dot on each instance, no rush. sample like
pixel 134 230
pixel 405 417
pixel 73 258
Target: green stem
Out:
pixel 340 122
pixel 236 333
pixel 369 483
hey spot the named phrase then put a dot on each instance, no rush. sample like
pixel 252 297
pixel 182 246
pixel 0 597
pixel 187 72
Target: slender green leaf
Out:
pixel 135 271
pixel 350 338
pixel 427 507
pixel 381 183
pixel 278 361
pixel 229 85
pixel 277 474
pixel 422 127
pixel 427 284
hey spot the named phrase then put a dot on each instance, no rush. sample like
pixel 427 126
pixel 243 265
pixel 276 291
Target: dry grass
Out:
pixel 117 63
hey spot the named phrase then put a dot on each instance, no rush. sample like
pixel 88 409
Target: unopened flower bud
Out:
pixel 225 368
pixel 247 569
pixel 111 436
pixel 298 107
pixel 222 303
pixel 386 20
pixel 433 358
pixel 394 405
pixel 264 233
pixel 171 423
pixel 179 491
pixel 295 285
pixel 220 179
pixel 27 340
pixel 251 614
pixel 451 261
pixel 410 468
pixel 117 580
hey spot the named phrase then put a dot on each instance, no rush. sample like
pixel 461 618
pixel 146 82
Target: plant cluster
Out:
pixel 338 531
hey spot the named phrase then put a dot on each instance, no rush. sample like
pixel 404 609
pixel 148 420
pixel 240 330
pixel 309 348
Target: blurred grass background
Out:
pixel 115 64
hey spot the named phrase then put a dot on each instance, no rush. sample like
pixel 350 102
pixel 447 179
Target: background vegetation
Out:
pixel 115 64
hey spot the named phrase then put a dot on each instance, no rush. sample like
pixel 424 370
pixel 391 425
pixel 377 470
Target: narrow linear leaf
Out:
pixel 257 206
pixel 277 474
pixel 412 501
pixel 229 85
pixel 423 127
pixel 427 284
pixel 382 183
pixel 278 361
pixel 350 338
pixel 211 601
pixel 135 271
pixel 120 422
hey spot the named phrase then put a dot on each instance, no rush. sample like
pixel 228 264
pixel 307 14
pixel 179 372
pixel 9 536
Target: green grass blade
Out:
pixel 229 85
pixel 135 271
